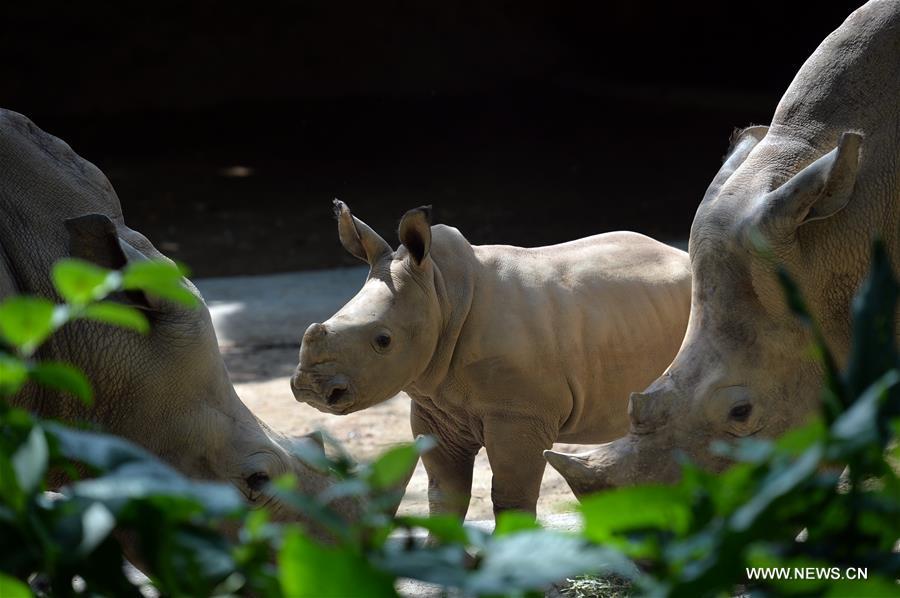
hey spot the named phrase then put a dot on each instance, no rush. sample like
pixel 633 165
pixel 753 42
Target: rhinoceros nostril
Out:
pixel 336 394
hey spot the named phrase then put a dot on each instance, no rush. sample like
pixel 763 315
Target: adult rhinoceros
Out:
pixel 818 185
pixel 168 390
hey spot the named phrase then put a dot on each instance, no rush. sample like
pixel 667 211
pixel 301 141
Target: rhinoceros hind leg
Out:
pixel 514 449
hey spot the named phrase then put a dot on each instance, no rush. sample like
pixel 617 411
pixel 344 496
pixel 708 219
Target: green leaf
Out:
pixel 448 528
pixel 793 296
pixel 344 489
pixel 117 315
pixel 133 473
pixel 150 480
pixel 160 278
pixel 609 514
pixel 284 488
pixel 13 374
pixel 307 569
pixel 311 454
pixel 13 588
pixel 873 587
pixel 873 348
pixel 859 425
pixel 100 451
pixel 778 483
pixel 743 450
pixel 729 489
pixel 96 524
pixel 510 522
pixel 30 460
pixel 63 377
pixel 397 464
pixel 80 282
pixel 895 441
pixel 442 565
pixel 206 558
pixel 25 322
pixel 795 441
pixel 532 560
pixel 15 425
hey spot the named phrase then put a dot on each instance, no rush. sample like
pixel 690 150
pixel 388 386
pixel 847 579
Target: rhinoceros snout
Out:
pixel 326 393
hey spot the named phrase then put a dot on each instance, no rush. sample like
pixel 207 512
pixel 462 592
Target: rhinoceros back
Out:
pixel 43 183
pixel 851 81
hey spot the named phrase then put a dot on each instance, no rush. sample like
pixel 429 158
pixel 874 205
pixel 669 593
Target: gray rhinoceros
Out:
pixel 168 390
pixel 500 347
pixel 818 185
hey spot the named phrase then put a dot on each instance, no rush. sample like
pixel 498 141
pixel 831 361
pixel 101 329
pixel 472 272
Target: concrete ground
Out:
pixel 260 320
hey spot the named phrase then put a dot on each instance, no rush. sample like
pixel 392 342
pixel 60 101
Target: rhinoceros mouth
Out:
pixel 336 393
pixel 333 395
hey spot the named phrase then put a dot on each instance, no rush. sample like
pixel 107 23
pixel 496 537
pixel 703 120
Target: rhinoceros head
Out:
pixel 169 390
pixel 384 337
pixel 743 368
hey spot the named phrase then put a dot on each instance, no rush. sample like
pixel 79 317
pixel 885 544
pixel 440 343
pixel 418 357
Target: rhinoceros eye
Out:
pixel 256 482
pixel 740 413
pixel 383 340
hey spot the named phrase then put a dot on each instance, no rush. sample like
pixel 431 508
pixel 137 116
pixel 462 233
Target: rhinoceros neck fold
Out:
pixel 454 283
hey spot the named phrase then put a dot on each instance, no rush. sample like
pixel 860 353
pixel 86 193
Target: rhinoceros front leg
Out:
pixel 449 465
pixel 515 449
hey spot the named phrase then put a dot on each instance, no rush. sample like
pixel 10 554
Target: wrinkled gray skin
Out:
pixel 818 185
pixel 507 348
pixel 167 391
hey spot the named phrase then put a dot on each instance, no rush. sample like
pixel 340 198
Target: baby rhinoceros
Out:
pixel 501 347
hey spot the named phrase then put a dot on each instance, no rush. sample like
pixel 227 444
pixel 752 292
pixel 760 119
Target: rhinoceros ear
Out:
pixel 742 142
pixel 819 191
pixel 647 412
pixel 356 236
pixel 415 233
pixel 94 238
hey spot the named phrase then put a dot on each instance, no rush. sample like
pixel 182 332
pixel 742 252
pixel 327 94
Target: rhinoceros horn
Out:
pixel 616 463
pixel 607 466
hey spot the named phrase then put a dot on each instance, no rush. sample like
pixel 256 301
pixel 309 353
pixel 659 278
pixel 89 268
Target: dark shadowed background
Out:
pixel 227 128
